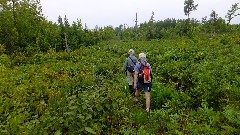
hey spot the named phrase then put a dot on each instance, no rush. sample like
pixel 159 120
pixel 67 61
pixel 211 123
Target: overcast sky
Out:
pixel 116 12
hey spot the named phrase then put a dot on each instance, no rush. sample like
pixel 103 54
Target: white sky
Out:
pixel 116 12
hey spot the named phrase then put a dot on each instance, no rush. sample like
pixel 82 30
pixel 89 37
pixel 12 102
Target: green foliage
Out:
pixel 203 120
pixel 195 89
pixel 4 60
pixel 20 24
pixel 46 90
pixel 2 49
pixel 231 115
pixel 108 33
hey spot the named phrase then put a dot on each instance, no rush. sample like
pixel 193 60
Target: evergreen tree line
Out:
pixel 23 28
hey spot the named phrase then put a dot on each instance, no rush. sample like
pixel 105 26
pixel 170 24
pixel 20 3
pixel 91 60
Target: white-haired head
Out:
pixel 142 57
pixel 131 52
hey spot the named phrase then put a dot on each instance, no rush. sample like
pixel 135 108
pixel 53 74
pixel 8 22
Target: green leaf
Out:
pixel 89 116
pixel 80 116
pixel 84 107
pixel 90 130
pixel 58 132
pixel 73 107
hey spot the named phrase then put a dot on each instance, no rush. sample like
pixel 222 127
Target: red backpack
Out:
pixel 145 75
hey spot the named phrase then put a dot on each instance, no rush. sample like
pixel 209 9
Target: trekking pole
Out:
pixel 124 82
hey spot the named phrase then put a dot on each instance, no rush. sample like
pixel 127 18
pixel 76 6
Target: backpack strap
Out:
pixel 141 65
pixel 140 68
pixel 131 60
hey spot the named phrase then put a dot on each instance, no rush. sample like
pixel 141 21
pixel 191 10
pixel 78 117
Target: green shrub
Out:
pixel 5 60
pixel 195 90
pixel 2 49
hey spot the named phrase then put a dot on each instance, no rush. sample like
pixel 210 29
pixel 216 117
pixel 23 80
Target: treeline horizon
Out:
pixel 25 29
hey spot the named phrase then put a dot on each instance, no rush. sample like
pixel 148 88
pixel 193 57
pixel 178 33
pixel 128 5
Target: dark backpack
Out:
pixel 131 68
pixel 145 75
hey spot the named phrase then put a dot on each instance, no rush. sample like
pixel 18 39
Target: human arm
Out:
pixel 135 80
pixel 136 69
pixel 125 66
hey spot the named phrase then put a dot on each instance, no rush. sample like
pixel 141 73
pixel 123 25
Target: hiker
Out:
pixel 143 79
pixel 128 68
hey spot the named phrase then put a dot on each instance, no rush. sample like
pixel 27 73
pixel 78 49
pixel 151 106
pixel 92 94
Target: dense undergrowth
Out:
pixel 195 89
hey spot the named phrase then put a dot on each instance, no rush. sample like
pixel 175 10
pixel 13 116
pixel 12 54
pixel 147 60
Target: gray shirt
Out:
pixel 129 62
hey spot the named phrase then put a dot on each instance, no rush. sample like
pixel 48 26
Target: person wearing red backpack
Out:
pixel 143 79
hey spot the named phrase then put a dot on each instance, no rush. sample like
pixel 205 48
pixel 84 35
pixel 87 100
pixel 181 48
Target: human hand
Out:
pixel 134 86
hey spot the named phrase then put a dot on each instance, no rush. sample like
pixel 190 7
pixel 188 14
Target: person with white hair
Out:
pixel 143 79
pixel 128 68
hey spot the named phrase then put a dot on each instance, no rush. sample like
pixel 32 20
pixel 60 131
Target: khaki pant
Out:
pixel 130 78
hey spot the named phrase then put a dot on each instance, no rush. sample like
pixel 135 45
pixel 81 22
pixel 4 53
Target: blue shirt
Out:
pixel 137 68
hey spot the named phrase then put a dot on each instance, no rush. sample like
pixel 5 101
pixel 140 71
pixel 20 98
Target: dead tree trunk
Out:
pixel 66 43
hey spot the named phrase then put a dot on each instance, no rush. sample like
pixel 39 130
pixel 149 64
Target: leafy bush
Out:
pixel 2 49
pixel 4 60
pixel 195 90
